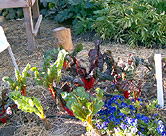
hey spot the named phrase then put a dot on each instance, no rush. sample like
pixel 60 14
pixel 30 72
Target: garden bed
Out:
pixel 28 124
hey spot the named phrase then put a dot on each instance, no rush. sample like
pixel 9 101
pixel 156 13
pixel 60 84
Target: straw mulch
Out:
pixel 20 123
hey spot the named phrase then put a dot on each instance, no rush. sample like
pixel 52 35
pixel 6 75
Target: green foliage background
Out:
pixel 135 22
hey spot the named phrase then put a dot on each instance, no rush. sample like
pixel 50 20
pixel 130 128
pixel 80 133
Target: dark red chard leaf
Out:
pixel 80 70
pixel 65 64
pixel 88 83
pixel 110 71
pixel 96 58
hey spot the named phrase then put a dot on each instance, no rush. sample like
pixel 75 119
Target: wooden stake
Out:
pixel 63 38
pixel 158 68
pixel 29 28
pixel 37 18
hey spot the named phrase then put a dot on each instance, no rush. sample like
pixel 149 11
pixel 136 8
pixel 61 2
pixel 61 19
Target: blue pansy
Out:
pixel 118 111
pixel 123 104
pixel 155 114
pixel 140 134
pixel 110 101
pixel 157 106
pixel 159 122
pixel 111 110
pixel 105 125
pixel 112 117
pixel 128 120
pixel 102 117
pixel 117 104
pixel 132 113
pixel 123 126
pixel 121 114
pixel 134 122
pixel 142 129
pixel 160 129
pixel 131 107
pixel 145 119
pixel 105 111
pixel 98 126
pixel 133 100
pixel 142 115
pixel 163 133
pixel 117 121
pixel 100 112
pixel 139 99
pixel 138 116
pixel 121 98
pixel 152 117
pixel 105 103
pixel 107 120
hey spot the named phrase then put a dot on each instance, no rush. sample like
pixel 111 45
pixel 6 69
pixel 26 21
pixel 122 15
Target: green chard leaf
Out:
pixel 25 71
pixel 83 106
pixel 10 82
pixel 26 104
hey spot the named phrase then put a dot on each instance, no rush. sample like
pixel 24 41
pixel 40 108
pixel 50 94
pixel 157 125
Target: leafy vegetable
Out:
pixel 50 73
pixel 27 104
pixel 83 106
pixel 20 83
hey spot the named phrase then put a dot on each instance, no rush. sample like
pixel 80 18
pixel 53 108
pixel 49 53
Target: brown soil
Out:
pixel 28 124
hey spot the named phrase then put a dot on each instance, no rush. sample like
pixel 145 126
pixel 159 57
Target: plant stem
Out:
pixel 52 93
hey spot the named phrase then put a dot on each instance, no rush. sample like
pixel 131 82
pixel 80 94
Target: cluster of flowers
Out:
pixel 121 117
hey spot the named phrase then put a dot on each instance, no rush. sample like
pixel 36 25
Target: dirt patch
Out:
pixel 27 124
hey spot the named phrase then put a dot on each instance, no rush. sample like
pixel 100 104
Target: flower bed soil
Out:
pixel 20 123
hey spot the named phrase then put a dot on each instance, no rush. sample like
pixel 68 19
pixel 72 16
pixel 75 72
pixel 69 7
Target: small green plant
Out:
pixel 20 83
pixel 50 73
pixel 27 104
pixel 83 105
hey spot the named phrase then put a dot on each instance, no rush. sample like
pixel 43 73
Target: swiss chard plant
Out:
pixel 20 83
pixel 27 104
pixel 87 78
pixel 50 73
pixel 83 105
pixel 49 79
pixel 53 54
